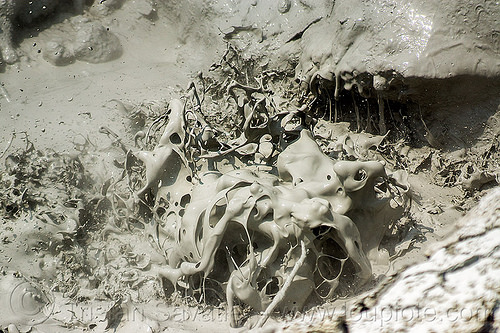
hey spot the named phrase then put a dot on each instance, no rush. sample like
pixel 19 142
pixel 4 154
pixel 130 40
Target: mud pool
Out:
pixel 233 166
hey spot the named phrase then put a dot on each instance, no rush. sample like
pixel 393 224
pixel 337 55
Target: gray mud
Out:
pixel 232 165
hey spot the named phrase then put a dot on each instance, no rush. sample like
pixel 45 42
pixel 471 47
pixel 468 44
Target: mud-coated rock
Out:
pixel 457 289
pixel 57 53
pixel 95 44
pixel 405 42
pixel 83 40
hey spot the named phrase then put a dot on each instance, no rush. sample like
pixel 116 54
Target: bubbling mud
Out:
pixel 269 237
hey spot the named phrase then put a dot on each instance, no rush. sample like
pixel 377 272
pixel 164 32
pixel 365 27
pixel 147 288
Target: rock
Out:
pixel 456 290
pixel 404 44
pixel 284 6
pixel 103 8
pixel 95 44
pixel 57 53
pixel 24 302
pixel 143 7
pixel 25 12
pixel 83 39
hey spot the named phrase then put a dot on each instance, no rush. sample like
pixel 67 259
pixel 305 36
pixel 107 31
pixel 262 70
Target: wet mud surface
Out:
pixel 175 167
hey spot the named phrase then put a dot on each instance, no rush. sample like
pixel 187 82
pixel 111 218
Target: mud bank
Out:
pixel 392 40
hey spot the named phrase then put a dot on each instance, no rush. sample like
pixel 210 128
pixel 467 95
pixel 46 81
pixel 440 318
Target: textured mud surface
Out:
pixel 178 166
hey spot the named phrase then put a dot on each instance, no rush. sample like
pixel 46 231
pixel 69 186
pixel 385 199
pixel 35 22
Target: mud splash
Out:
pixel 269 238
